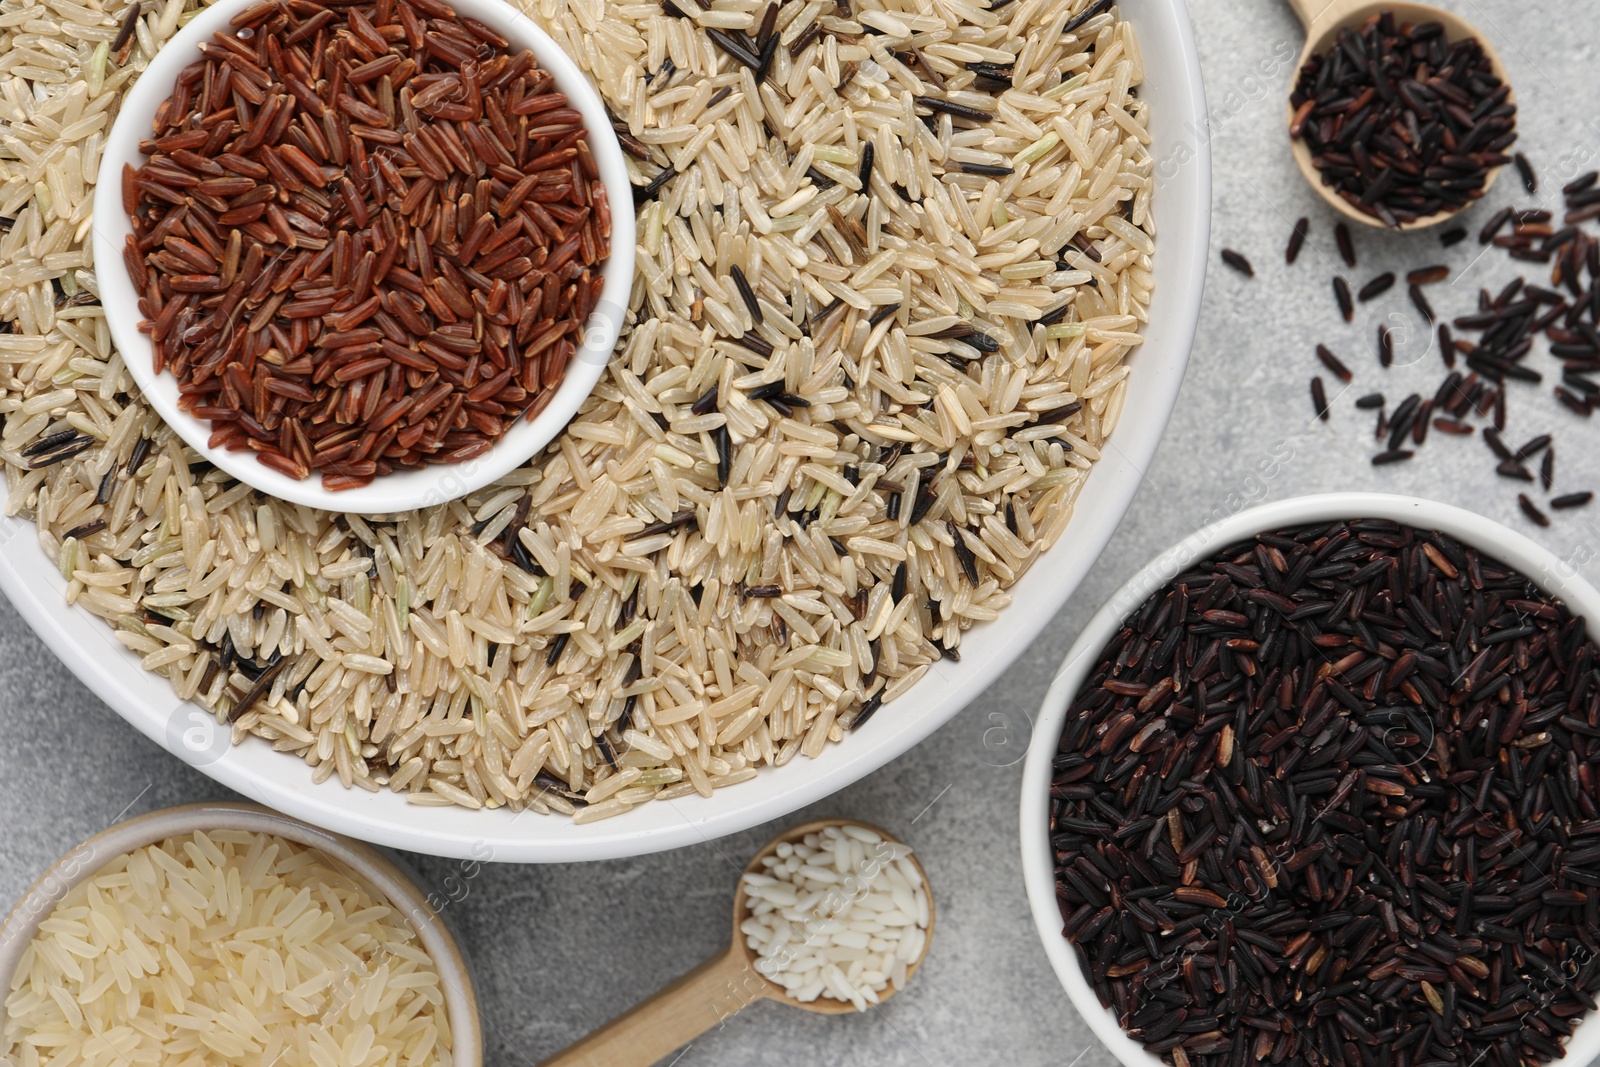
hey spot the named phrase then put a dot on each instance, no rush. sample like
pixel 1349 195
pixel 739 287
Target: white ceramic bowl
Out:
pixel 402 490
pixel 1182 211
pixel 1038 867
pixel 380 873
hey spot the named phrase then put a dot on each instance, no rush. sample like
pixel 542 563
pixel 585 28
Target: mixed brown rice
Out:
pixel 843 420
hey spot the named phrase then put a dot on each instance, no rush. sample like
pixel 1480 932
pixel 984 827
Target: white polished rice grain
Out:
pixel 783 502
pixel 227 947
pixel 840 914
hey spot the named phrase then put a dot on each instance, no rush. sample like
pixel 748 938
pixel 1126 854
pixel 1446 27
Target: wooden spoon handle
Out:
pixel 706 997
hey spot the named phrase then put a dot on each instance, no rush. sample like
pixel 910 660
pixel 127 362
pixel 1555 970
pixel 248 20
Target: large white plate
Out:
pixel 1182 206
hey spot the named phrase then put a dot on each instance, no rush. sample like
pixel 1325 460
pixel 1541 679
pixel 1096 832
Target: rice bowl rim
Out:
pixel 396 886
pixel 401 491
pixel 1532 560
pixel 1182 207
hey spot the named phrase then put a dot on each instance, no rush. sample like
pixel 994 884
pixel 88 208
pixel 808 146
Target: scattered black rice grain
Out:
pixel 1347 247
pixel 1447 345
pixel 1376 287
pixel 1491 437
pixel 1370 402
pixel 1582 183
pixel 1319 399
pixel 1403 419
pixel 1571 500
pixel 1453 426
pixel 1385 346
pixel 1512 469
pixel 1297 240
pixel 1453 236
pixel 1532 447
pixel 1297 816
pixel 1532 511
pixel 1547 470
pixel 1393 455
pixel 864 174
pixel 1334 364
pixel 1530 181
pixel 1427 275
pixel 1571 401
pixel 1341 293
pixel 1238 262
pixel 1495 224
pixel 1420 302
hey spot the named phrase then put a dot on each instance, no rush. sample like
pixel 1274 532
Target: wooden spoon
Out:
pixel 715 991
pixel 1323 19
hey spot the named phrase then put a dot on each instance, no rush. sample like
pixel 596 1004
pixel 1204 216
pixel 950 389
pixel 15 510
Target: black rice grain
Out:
pixel 1238 262
pixel 1297 240
pixel 1532 447
pixel 1530 181
pixel 1420 302
pixel 1571 500
pixel 1376 287
pixel 1341 293
pixel 1530 509
pixel 1334 364
pixel 1510 468
pixel 1319 399
pixel 1347 248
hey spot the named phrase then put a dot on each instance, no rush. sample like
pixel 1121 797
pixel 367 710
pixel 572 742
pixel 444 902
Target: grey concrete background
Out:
pixel 560 949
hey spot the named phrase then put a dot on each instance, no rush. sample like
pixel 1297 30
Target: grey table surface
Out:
pixel 559 949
